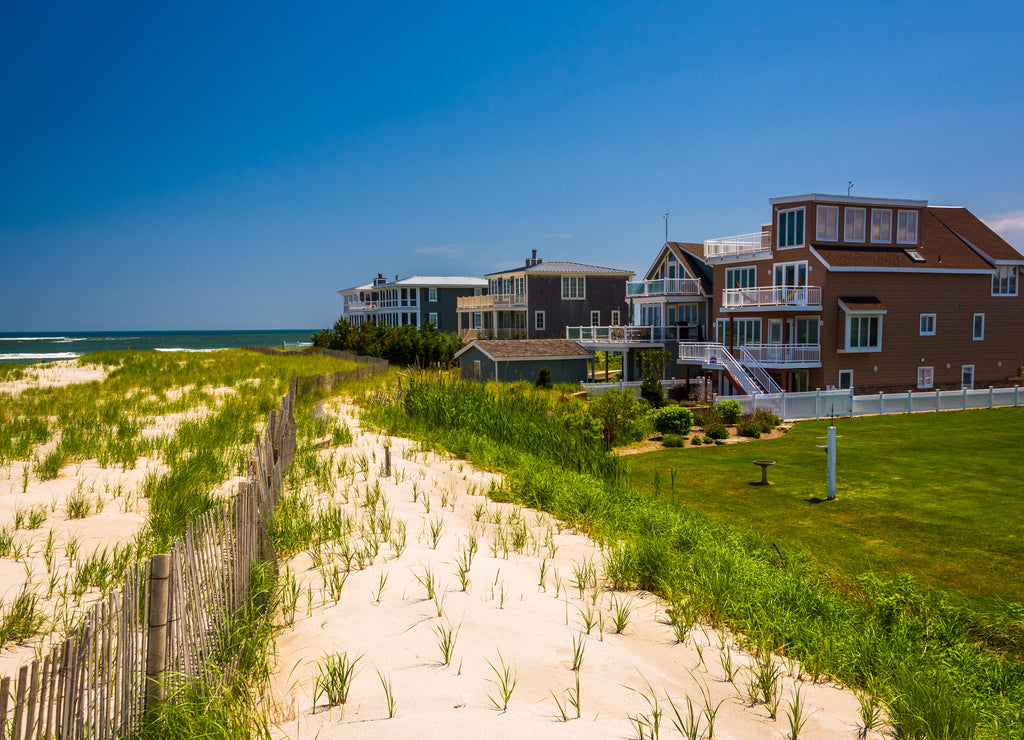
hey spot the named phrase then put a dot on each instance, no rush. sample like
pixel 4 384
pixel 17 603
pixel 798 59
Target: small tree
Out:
pixel 543 378
pixel 653 363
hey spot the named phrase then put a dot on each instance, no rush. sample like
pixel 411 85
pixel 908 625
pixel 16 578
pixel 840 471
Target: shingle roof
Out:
pixel 565 268
pixel 527 349
pixel 975 232
pixel 440 281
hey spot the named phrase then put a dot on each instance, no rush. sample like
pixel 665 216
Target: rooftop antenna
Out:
pixel 849 186
pixel 666 225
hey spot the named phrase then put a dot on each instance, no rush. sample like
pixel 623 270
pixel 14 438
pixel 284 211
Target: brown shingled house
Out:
pixel 871 293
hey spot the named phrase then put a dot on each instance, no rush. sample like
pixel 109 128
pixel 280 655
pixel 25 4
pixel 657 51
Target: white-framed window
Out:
pixel 926 326
pixel 595 318
pixel 432 319
pixel 616 318
pixel 967 377
pixel 791 228
pixel 845 379
pixel 538 320
pixel 906 227
pixel 853 220
pixel 740 277
pixel 828 223
pixel 881 225
pixel 477 370
pixel 979 326
pixel 1004 280
pixel 574 287
pixel 926 377
pixel 478 291
pixel 478 320
pixel 863 333
pixel 746 331
pixel 807 330
pixel 432 295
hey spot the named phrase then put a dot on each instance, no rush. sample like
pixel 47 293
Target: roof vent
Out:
pixel 914 255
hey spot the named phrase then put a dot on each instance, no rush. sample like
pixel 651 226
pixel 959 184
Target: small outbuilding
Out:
pixel 521 359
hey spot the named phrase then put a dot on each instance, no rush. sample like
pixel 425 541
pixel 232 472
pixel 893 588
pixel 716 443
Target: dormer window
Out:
pixel 906 227
pixel 854 219
pixel 881 226
pixel 791 228
pixel 828 223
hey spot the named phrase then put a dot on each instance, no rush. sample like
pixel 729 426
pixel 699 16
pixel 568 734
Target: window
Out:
pixel 791 228
pixel 863 333
pixel 740 277
pixel 616 320
pixel 854 220
pixel 432 295
pixel 573 288
pixel 828 223
pixel 846 379
pixel 881 225
pixel 538 320
pixel 519 284
pixel 595 318
pixel 927 325
pixel 432 319
pixel 967 377
pixel 747 331
pixel 906 227
pixel 979 326
pixel 477 320
pixel 1004 280
pixel 791 283
pixel 925 377
pixel 478 291
pixel 807 330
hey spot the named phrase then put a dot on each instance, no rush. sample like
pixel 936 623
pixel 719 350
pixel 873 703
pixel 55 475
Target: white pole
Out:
pixel 831 463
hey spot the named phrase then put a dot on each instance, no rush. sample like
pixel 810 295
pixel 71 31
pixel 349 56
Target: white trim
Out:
pixel 595 323
pixel 616 317
pixel 974 327
pixel 850 372
pixel 582 296
pixel 778 228
pixel 872 237
pixel 818 221
pixel 866 312
pixel 432 318
pixel 929 380
pixel 962 368
pixel 816 197
pixel 847 332
pixel 432 294
pixel 917 227
pixel 920 325
pixel 1016 282
pixel 543 320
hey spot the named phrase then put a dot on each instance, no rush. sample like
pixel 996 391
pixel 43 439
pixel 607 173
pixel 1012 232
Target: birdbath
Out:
pixel 764 469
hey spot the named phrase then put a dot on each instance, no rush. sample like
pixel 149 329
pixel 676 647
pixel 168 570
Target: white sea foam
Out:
pixel 38 339
pixel 39 356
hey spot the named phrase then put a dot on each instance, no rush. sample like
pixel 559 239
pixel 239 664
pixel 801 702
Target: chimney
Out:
pixel 531 261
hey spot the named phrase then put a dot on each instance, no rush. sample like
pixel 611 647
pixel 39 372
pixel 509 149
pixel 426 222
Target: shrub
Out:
pixel 672 420
pixel 543 378
pixel 747 426
pixel 681 392
pixel 652 392
pixel 622 416
pixel 672 440
pixel 715 430
pixel 766 420
pixel 697 440
pixel 729 410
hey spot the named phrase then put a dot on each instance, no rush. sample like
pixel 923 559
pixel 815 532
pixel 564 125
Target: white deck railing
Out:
pixel 785 354
pixel 628 334
pixel 485 302
pixel 783 296
pixel 730 246
pixel 666 286
pixel 712 353
pixel 362 306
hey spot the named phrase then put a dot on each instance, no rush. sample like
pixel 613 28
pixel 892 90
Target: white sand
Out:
pixel 533 629
pixel 52 374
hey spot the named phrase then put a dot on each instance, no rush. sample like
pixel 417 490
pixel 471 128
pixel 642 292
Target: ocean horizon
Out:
pixel 39 347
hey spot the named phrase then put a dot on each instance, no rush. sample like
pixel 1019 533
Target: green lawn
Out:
pixel 940 496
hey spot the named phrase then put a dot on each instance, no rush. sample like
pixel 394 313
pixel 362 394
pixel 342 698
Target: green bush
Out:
pixel 729 410
pixel 672 420
pixel 696 440
pixel 652 392
pixel 766 420
pixel 672 440
pixel 543 378
pixel 623 417
pixel 715 430
pixel 747 426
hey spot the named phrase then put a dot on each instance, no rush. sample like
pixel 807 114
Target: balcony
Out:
pixel 782 355
pixel 664 287
pixel 361 307
pixel 495 302
pixel 797 297
pixel 744 245
pixel 625 335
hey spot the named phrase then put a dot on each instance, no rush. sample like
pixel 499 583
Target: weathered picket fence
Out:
pixel 164 623
pixel 324 383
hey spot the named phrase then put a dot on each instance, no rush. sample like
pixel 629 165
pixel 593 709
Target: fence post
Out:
pixel 1016 393
pixel 991 397
pixel 881 403
pixel 965 399
pixel 156 642
pixel 938 400
pixel 851 401
pixel 387 461
pixel 910 402
pixel 817 404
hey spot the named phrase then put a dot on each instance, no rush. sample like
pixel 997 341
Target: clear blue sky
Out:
pixel 210 165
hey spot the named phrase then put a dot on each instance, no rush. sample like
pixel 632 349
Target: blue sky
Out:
pixel 228 166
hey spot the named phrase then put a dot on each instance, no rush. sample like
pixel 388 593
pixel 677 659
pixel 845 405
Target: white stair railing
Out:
pixel 765 380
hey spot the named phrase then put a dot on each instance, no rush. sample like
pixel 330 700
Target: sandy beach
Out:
pixel 521 611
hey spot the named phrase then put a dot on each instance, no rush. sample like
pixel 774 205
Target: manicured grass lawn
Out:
pixel 940 496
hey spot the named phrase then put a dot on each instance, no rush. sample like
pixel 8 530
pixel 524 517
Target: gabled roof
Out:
pixel 527 349
pixel 692 255
pixel 367 286
pixel 564 268
pixel 949 239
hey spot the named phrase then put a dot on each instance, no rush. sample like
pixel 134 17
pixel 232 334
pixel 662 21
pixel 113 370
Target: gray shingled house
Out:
pixel 522 359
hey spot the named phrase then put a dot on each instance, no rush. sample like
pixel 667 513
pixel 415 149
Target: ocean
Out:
pixel 32 347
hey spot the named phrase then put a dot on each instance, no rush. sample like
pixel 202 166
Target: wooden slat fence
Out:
pixel 170 615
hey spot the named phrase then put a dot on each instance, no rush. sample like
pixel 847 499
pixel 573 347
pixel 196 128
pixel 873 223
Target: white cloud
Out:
pixel 1008 225
pixel 447 250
